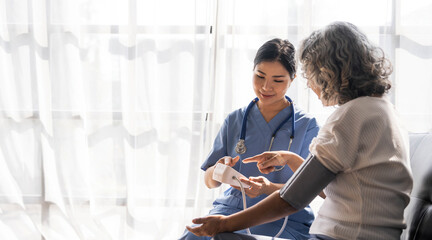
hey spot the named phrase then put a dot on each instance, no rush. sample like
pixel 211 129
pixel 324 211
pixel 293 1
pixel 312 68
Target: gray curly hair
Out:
pixel 344 64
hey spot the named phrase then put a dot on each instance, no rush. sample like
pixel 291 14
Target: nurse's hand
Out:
pixel 208 176
pixel 210 225
pixel 227 160
pixel 258 186
pixel 267 161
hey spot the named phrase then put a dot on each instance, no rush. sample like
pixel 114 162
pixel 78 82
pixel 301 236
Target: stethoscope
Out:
pixel 241 147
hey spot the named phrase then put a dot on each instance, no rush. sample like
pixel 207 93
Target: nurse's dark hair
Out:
pixel 277 50
pixel 341 62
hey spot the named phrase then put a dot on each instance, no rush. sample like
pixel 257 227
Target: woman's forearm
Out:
pixel 292 160
pixel 270 209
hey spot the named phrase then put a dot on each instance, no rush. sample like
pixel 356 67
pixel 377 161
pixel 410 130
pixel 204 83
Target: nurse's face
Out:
pixel 270 82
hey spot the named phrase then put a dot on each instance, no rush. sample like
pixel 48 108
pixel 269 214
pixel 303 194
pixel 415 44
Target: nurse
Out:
pixel 266 124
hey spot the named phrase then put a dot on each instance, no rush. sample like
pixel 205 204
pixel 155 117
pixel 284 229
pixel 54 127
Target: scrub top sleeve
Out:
pixel 219 148
pixel 312 132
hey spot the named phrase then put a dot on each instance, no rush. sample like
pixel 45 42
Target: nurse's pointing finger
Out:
pixel 257 158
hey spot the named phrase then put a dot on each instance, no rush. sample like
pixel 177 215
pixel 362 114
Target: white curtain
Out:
pixel 108 108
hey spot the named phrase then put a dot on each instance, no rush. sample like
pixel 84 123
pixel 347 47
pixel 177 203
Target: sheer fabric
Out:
pixel 108 108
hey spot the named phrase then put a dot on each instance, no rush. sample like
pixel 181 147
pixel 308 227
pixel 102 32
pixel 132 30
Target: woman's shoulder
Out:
pixel 365 104
pixel 363 108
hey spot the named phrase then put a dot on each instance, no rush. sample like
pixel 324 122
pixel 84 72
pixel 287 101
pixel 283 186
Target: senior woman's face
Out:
pixel 314 88
pixel 317 91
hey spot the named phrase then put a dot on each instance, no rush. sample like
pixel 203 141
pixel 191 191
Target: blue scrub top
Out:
pixel 257 141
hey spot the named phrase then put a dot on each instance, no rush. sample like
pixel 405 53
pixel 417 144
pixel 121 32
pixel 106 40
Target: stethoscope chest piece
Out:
pixel 240 147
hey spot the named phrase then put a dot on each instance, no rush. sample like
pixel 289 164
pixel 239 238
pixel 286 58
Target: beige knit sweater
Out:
pixel 363 142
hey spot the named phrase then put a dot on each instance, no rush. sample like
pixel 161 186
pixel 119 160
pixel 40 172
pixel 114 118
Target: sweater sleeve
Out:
pixel 311 133
pixel 337 143
pixel 357 129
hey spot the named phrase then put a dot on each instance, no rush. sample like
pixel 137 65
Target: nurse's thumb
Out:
pixel 235 160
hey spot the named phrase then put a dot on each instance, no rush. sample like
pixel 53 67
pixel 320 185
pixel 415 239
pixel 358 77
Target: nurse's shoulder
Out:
pixel 236 116
pixel 304 118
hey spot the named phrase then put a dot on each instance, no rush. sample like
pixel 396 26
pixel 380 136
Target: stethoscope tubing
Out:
pixel 241 148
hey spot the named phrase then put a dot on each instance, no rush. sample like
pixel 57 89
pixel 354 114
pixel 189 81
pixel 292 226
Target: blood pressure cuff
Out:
pixel 306 183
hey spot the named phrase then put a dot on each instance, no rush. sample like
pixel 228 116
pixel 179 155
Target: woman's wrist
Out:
pixel 272 187
pixel 292 159
pixel 234 222
pixel 285 157
pixel 225 226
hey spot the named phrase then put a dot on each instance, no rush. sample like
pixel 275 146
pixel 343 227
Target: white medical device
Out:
pixel 226 174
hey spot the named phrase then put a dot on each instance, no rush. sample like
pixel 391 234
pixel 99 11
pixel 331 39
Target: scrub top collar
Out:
pixel 268 128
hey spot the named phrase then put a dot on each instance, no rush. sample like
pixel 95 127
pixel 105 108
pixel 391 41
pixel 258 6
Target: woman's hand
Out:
pixel 210 225
pixel 258 186
pixel 267 161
